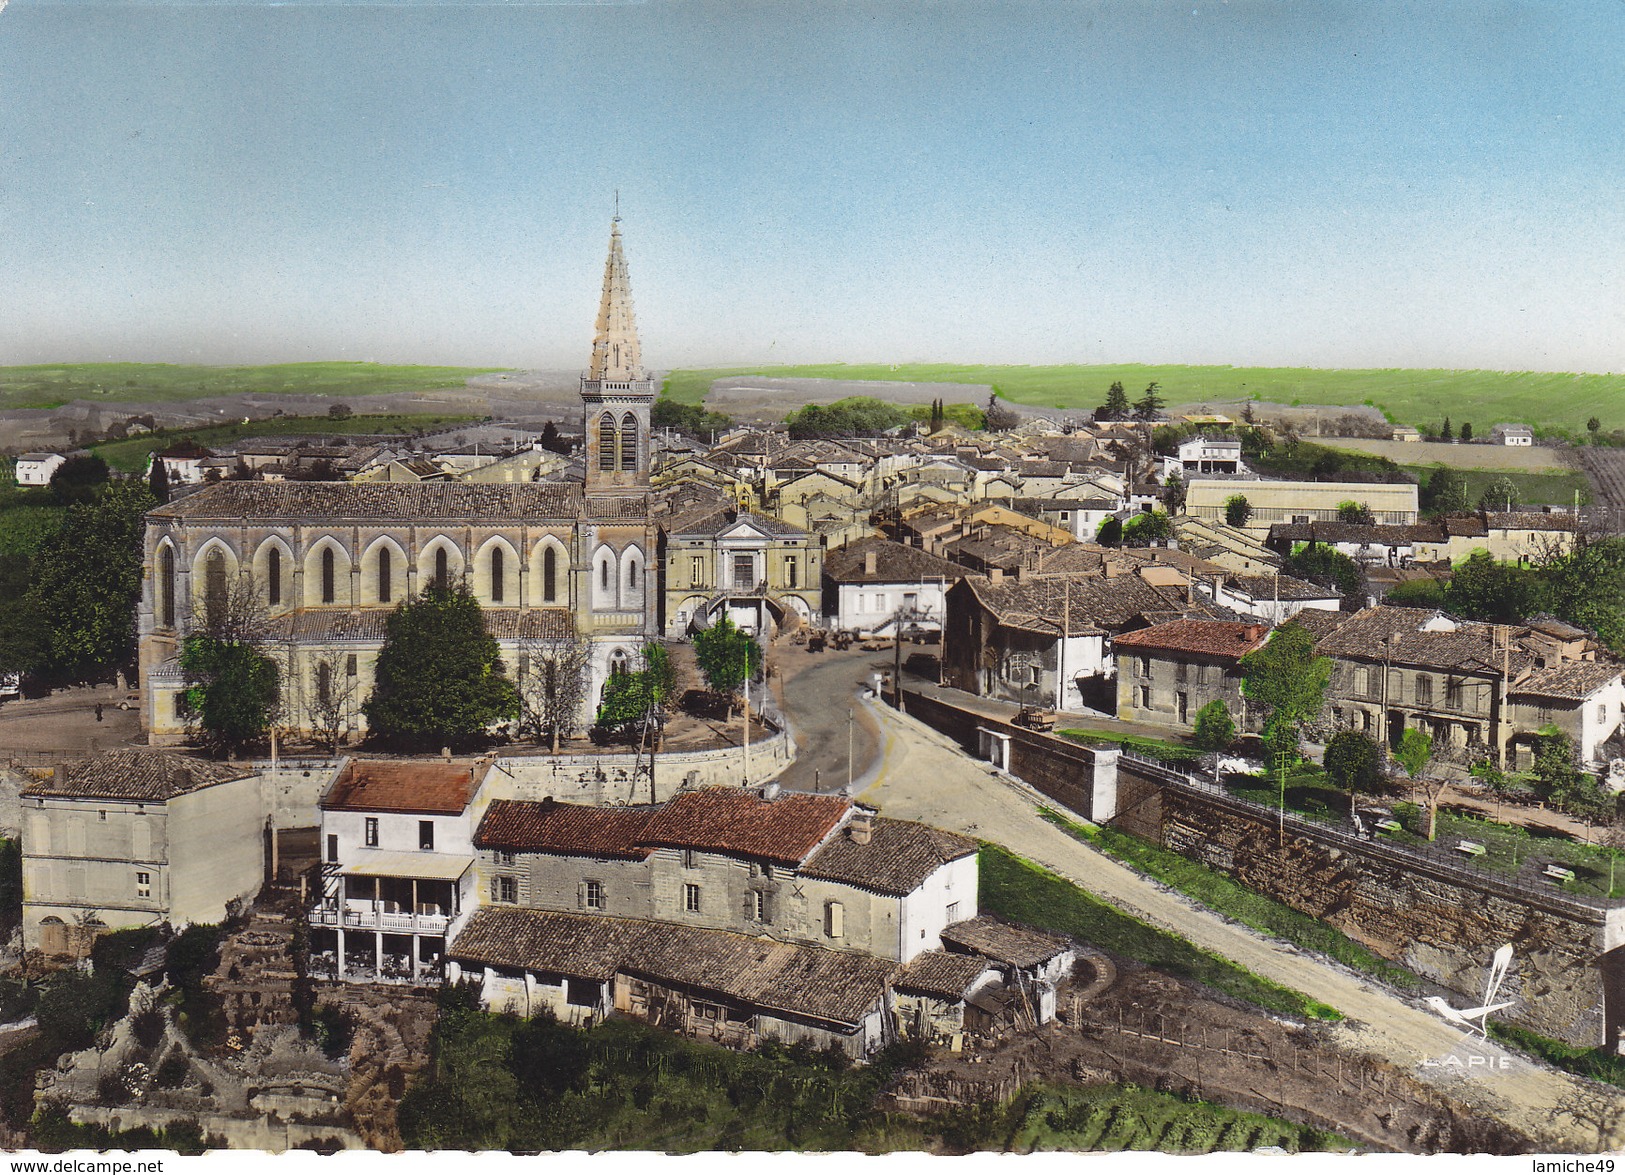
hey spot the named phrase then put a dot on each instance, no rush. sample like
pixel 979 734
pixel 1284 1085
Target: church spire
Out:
pixel 615 352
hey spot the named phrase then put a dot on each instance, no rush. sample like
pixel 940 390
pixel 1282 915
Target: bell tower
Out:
pixel 616 394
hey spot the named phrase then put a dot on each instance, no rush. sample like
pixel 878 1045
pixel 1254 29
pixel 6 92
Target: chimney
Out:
pixel 861 827
pixel 995 576
pixel 445 753
pixel 770 790
pixel 870 559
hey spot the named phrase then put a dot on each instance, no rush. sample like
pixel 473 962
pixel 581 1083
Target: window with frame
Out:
pixel 496 575
pixel 691 859
pixel 385 570
pixel 329 576
pixel 502 856
pixel 607 443
pixel 1145 666
pixel 426 835
pixel 744 571
pixel 691 898
pixel 592 895
pixel 1424 688
pixel 550 573
pixel 1453 693
pixel 143 885
pixel 273 576
pixel 952 913
pixel 834 920
pixel 371 832
pixel 758 905
pixel 332 848
pixel 696 570
pixel 504 889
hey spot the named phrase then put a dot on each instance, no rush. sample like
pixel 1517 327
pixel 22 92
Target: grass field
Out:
pixel 47 385
pixel 1513 458
pixel 1534 489
pixel 1416 397
pixel 130 455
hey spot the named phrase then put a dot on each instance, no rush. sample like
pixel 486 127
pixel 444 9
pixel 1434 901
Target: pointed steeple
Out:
pixel 615 352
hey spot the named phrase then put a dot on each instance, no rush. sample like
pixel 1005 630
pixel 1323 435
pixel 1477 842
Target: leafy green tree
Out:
pixel 856 416
pixel 1445 492
pixel 1238 511
pixel 1593 426
pixel 25 638
pixel 636 696
pixel 727 657
pixel 1173 495
pixel 1116 406
pixel 1215 729
pixel 1466 430
pixel 1483 589
pixel 87 579
pixel 999 416
pixel 1146 528
pixel 1586 586
pixel 1417 593
pixel 548 1059
pixel 1110 533
pixel 439 677
pixel 1414 753
pixel 1502 494
pixel 79 479
pixel 1354 762
pixel 1150 403
pixel 1555 773
pixel 1325 565
pixel 1355 513
pixel 1287 680
pixel 693 420
pixel 340 412
pixel 231 691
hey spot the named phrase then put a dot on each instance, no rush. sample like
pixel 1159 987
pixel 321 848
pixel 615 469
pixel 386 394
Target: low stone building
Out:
pixel 1168 672
pixel 134 839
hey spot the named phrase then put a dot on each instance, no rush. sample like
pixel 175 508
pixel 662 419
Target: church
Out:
pixel 327 562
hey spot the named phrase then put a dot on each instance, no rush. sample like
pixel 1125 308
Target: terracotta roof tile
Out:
pixel 1003 943
pixel 943 974
pixel 136 775
pixel 426 502
pixel 1212 638
pixel 897 860
pixel 395 785
pixel 894 563
pixel 728 820
pixel 570 829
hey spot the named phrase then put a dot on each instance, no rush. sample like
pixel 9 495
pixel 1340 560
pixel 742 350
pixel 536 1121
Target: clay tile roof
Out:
pixel 894 563
pixel 1319 621
pixel 1015 945
pixel 1532 520
pixel 897 860
pixel 1283 587
pixel 572 829
pixel 1571 681
pixel 426 502
pixel 586 947
pixel 135 775
pixel 394 785
pixel 728 820
pixel 1212 638
pixel 941 973
pixel 1397 636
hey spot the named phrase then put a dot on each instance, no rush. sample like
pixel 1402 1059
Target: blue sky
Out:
pixel 1322 184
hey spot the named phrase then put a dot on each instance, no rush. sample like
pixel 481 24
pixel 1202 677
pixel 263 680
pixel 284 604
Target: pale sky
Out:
pixel 1317 184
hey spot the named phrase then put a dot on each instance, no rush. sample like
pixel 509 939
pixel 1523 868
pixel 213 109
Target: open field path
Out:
pixel 925 776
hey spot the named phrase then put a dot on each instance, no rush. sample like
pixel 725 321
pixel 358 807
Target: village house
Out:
pixel 1274 599
pixel 763 574
pixel 1168 672
pixel 1517 435
pixel 132 839
pixel 1204 454
pixel 184 462
pixel 869 584
pixel 36 469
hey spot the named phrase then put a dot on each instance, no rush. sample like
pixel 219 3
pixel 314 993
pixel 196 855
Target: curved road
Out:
pixel 817 692
pixel 926 777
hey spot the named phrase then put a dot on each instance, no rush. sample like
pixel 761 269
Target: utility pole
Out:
pixel 849 750
pixel 747 715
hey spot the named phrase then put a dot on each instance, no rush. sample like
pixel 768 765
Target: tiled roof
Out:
pixel 1382 535
pixel 714 523
pixel 1095 603
pixel 943 974
pixel 897 860
pixel 1278 587
pixel 894 563
pixel 370 625
pixel 136 775
pixel 426 502
pixel 1212 638
pixel 571 829
pixel 1531 520
pixel 396 785
pixel 1319 621
pixel 1396 635
pixel 1015 945
pixel 728 820
pixel 1571 681
pixel 840 987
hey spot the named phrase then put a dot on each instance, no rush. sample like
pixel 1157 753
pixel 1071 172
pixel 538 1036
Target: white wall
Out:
pixel 866 606
pixel 925 911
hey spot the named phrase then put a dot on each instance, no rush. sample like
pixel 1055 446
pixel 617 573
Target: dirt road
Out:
pixel 924 776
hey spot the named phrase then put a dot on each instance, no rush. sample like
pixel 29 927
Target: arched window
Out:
pixel 550 576
pixel 496 575
pixel 386 570
pixel 629 443
pixel 603 573
pixel 618 662
pixel 273 576
pixel 632 575
pixel 606 443
pixel 329 585
pixel 442 570
pixel 214 588
pixel 324 683
pixel 166 587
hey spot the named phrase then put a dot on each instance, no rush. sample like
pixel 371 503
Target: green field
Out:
pixel 1535 489
pixel 130 455
pixel 1416 397
pixel 48 385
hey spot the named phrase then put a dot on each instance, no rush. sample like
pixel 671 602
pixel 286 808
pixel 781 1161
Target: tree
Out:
pixel 340 412
pixel 232 688
pixel 1110 533
pixel 87 579
pixel 554 443
pixel 1146 528
pixel 330 703
pixel 1215 730
pixel 1000 416
pixel 1354 762
pixel 1324 565
pixel 1495 781
pixel 856 416
pixel 1355 513
pixel 1415 754
pixel 1174 493
pixel 1444 430
pixel 692 420
pixel 1502 494
pixel 1593 426
pixel 439 674
pixel 1150 403
pixel 1483 589
pixel 79 479
pixel 552 685
pixel 1445 492
pixel 1466 430
pixel 1287 680
pixel 25 638
pixel 727 658
pixel 1238 511
pixel 1116 405
pixel 158 481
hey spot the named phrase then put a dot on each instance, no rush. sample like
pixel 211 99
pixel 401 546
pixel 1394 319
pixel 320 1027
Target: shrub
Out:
pixel 1215 729
pixel 1238 511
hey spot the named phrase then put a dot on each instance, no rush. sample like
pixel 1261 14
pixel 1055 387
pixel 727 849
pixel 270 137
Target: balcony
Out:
pixel 378 920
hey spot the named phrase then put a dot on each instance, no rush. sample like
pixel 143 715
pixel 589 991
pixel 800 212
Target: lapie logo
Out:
pixel 1465 1062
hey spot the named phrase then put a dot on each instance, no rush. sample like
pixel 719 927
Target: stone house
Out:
pixel 1300 501
pixel 134 839
pixel 868 583
pixel 1168 672
pixel 759 572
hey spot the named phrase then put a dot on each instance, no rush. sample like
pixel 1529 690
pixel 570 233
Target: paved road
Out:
pixel 924 776
pixel 816 692
pixel 66 722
